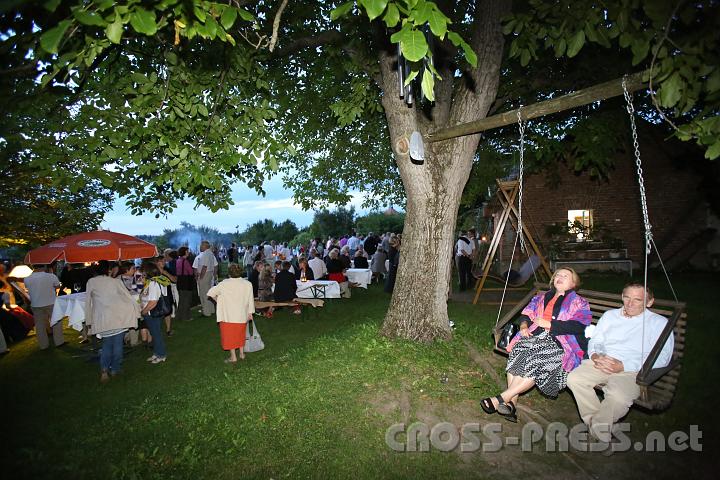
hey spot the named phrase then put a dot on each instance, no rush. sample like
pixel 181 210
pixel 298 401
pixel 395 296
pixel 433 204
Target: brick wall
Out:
pixel 676 207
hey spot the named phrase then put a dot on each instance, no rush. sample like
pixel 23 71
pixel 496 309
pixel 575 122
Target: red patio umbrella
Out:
pixel 91 247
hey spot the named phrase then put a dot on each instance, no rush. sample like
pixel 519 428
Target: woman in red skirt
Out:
pixel 235 306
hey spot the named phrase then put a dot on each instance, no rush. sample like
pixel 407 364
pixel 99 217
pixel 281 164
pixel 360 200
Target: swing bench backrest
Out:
pixel 657 386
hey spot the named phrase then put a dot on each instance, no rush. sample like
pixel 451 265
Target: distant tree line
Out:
pixel 336 223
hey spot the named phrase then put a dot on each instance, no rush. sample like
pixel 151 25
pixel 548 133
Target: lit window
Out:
pixel 580 223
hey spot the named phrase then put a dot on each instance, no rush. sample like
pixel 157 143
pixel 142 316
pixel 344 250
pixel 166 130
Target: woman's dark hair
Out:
pixel 182 251
pixel 125 267
pixel 102 268
pixel 149 268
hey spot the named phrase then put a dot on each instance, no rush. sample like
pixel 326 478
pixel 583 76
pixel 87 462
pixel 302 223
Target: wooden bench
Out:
pixel 657 385
pixel 313 302
pixel 259 305
pixel 297 302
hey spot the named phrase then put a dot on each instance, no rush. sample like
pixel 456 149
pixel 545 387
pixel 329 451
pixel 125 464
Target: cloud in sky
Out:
pixel 249 207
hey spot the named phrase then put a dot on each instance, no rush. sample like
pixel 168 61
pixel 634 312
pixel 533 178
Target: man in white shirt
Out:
pixel 205 265
pixel 463 255
pixel 620 344
pixel 286 252
pixel 249 259
pixel 41 285
pixel 317 265
pixel 268 250
pixel 352 244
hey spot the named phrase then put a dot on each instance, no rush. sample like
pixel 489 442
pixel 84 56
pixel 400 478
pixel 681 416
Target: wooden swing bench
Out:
pixel 521 285
pixel 657 385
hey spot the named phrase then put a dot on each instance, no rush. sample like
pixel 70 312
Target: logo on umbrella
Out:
pixel 94 243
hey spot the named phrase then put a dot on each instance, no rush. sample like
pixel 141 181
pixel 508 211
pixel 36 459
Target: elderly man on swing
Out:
pixel 620 344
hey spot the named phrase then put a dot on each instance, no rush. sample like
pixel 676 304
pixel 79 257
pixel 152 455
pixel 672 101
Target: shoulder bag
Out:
pixel 253 341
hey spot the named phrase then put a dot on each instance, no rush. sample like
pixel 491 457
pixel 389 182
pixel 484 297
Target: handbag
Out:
pixel 506 335
pixel 253 341
pixel 164 306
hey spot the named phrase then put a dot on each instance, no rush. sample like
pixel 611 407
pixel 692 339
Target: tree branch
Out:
pixel 665 37
pixel 585 96
pixel 474 94
pixel 215 103
pixel 276 25
pixel 21 69
pixel 323 38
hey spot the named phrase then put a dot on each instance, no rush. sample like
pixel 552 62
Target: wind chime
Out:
pixel 406 92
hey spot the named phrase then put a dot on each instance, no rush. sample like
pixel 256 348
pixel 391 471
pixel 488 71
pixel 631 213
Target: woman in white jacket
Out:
pixel 235 306
pixel 110 311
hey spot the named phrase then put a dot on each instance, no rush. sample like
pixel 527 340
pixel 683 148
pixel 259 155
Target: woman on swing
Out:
pixel 550 344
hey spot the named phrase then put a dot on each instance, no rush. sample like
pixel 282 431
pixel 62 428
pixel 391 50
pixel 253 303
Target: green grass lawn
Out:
pixel 315 403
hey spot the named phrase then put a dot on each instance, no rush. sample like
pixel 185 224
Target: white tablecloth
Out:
pixel 360 276
pixel 71 306
pixel 318 289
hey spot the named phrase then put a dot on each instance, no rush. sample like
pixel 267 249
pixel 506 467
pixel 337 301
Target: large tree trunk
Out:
pixel 418 309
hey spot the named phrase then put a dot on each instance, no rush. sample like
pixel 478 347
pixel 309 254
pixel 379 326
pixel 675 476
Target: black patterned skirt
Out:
pixel 540 358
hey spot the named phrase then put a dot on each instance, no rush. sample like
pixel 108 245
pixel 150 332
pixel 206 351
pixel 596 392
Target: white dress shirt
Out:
pixel 353 242
pixel 205 259
pixel 41 288
pixel 318 267
pixel 622 338
pixel 464 247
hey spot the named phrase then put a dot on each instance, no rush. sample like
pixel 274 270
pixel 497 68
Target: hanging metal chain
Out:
pixel 643 200
pixel 507 279
pixel 638 164
pixel 521 127
pixel 519 234
pixel 649 241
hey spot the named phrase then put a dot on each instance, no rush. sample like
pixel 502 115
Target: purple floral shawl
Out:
pixel 574 307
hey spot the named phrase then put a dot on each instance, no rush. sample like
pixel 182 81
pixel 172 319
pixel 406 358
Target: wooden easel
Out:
pixel 507 193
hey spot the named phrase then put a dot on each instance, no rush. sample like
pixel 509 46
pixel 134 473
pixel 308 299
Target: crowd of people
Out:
pixel 136 302
pixel 320 260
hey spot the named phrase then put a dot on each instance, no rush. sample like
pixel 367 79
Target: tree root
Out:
pixel 483 362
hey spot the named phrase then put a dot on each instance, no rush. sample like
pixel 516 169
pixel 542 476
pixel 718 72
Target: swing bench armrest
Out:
pixel 655 374
pixel 516 309
pixel 647 374
pixel 539 287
